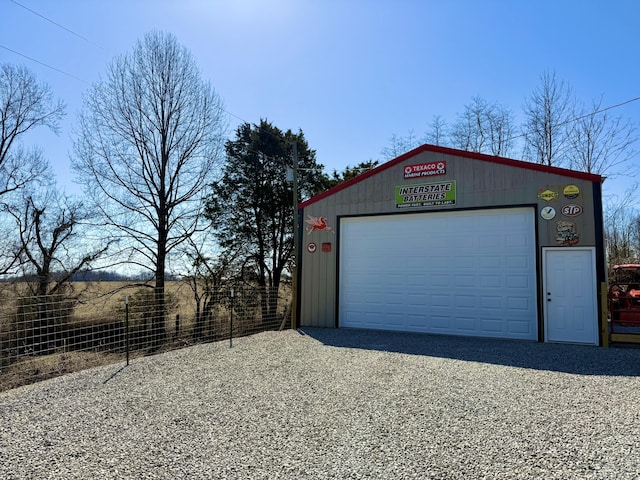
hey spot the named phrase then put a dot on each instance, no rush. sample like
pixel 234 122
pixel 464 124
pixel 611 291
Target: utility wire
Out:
pixel 234 115
pixel 586 115
pixel 88 83
pixel 45 64
pixel 610 107
pixel 59 25
pixel 101 48
pixel 258 127
pixel 104 50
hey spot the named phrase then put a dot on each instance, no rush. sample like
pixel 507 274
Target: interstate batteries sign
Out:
pixel 426 194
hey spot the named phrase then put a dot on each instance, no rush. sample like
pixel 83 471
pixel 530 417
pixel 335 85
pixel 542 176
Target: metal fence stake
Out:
pixel 231 321
pixel 126 325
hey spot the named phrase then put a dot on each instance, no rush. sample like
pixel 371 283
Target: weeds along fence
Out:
pixel 42 337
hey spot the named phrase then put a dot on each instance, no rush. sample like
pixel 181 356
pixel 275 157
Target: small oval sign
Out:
pixel 311 248
pixel 571 210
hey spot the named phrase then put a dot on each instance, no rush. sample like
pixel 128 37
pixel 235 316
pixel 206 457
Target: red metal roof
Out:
pixel 458 153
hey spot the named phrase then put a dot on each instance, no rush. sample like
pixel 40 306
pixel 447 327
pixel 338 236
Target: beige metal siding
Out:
pixel 479 184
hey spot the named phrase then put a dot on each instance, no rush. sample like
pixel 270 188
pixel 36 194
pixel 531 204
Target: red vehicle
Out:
pixel 624 295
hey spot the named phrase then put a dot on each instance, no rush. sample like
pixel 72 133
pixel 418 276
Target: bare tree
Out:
pixel 601 144
pixel 484 128
pixel 51 242
pixel 24 105
pixel 10 249
pixel 206 276
pixel 399 145
pixel 501 130
pixel 437 131
pixel 470 130
pixel 621 228
pixel 547 112
pixel 148 146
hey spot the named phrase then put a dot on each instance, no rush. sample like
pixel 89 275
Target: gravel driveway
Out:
pixel 340 404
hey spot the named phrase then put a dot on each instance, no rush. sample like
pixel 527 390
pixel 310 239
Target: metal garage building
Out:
pixel 451 242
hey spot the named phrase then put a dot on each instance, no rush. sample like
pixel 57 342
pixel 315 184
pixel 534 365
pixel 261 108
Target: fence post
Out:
pixel 126 325
pixel 231 321
pixel 604 313
pixel 177 325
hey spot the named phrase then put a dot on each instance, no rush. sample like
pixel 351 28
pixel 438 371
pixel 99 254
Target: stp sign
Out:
pixel 571 210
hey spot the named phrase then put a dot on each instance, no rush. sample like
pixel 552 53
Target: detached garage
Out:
pixel 451 242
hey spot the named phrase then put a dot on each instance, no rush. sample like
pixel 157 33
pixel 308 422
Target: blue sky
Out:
pixel 349 73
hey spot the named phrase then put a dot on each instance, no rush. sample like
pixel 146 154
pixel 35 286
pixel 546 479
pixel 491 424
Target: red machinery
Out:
pixel 624 296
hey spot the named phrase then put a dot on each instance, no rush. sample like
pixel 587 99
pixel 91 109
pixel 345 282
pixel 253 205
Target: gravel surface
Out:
pixel 337 404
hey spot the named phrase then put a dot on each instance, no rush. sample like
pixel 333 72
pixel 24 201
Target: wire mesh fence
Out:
pixel 46 336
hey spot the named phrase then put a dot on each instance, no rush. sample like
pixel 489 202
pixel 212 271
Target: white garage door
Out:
pixel 462 273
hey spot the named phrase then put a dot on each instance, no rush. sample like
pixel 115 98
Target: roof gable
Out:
pixel 458 153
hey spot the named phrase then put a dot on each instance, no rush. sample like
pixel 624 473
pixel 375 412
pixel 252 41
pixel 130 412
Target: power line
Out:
pixel 45 64
pixel 610 107
pixel 101 48
pixel 88 83
pixel 59 25
pixel 586 115
pixel 258 127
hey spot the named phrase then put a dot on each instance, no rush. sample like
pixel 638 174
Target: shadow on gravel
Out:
pixel 577 359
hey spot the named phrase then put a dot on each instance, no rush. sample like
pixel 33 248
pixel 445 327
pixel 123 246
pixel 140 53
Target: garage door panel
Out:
pixel 465 281
pixel 440 280
pixel 490 262
pixel 490 281
pixel 517 261
pixel 466 273
pixel 465 301
pixel 440 300
pixel 490 324
pixel 519 329
pixel 440 323
pixel 491 303
pixel 466 325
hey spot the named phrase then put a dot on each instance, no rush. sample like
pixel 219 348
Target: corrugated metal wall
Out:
pixel 479 184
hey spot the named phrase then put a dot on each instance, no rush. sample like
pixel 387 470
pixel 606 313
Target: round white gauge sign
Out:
pixel 548 213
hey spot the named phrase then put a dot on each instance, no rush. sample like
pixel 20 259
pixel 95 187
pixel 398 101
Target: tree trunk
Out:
pixel 45 330
pixel 158 329
pixel 273 304
pixel 198 328
pixel 264 303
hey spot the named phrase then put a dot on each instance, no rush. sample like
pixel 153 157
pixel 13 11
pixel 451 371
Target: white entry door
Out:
pixel 570 295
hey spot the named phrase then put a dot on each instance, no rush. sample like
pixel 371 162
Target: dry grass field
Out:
pixel 96 298
pixel 89 330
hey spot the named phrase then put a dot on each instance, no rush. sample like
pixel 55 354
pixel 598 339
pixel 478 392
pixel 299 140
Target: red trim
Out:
pixel 590 177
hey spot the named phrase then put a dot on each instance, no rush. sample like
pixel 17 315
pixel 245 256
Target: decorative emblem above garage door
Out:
pixel 317 223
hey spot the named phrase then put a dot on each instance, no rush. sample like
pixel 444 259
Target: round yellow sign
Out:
pixel 571 191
